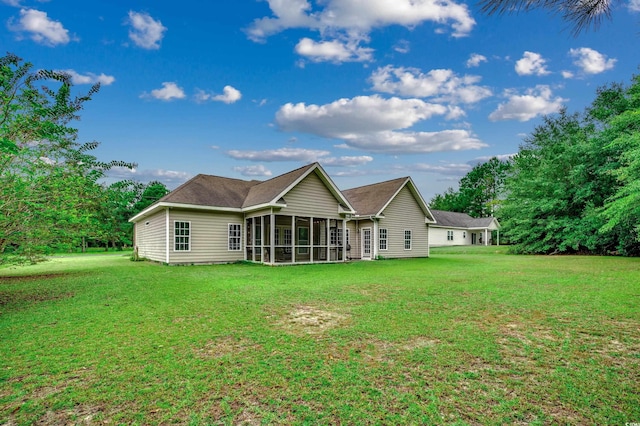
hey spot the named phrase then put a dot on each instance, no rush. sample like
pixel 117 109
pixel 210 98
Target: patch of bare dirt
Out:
pixel 312 320
pixel 80 415
pixel 31 296
pixel 27 278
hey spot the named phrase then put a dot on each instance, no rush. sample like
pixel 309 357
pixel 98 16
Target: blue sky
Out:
pixel 373 89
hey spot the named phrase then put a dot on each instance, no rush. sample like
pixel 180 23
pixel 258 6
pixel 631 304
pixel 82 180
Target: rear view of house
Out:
pixel 297 217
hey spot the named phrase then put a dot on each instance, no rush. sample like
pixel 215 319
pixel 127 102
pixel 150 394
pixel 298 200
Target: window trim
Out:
pixel 175 236
pixel 385 239
pixel 238 237
pixel 449 235
pixel 409 240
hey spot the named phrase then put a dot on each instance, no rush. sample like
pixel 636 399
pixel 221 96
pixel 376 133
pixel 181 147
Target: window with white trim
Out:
pixel 407 239
pixel 382 239
pixel 235 237
pixel 182 236
pixel 449 235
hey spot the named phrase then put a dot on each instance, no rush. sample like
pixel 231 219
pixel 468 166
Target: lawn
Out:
pixel 465 337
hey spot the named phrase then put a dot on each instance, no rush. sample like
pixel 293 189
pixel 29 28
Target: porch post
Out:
pixel 311 239
pixel 344 240
pixel 272 241
pixel 294 236
pixel 486 238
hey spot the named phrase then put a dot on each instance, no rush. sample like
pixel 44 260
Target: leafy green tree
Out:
pixel 480 191
pixel 49 183
pixel 574 184
pixel 151 193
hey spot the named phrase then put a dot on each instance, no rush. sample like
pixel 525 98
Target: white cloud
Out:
pixel 333 51
pixel 441 84
pixel 346 161
pixel 448 169
pixel 591 61
pixel 362 114
pixel 535 102
pixel 567 74
pixel 145 31
pixel 353 19
pixel 15 3
pixel 252 171
pixel 281 154
pixel 391 142
pixel 403 46
pixel 481 160
pixel 170 178
pixel 90 78
pixel 229 95
pixel 169 91
pixel 634 5
pixel 42 29
pixel 475 60
pixel 531 64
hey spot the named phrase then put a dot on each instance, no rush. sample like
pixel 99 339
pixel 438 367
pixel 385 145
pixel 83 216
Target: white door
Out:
pixel 366 243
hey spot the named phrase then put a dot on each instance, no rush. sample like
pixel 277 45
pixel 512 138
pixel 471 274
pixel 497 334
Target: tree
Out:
pixel 574 183
pixel 49 183
pixel 480 191
pixel 583 14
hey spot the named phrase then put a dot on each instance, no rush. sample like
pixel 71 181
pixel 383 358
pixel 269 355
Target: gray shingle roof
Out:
pixel 460 220
pixel 215 191
pixel 267 191
pixel 371 199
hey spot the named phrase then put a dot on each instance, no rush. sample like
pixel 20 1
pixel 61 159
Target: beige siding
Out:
pixel 150 236
pixel 355 230
pixel 354 253
pixel 209 237
pixel 404 213
pixel 311 198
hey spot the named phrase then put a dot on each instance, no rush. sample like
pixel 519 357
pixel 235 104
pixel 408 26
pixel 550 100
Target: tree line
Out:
pixel 573 186
pixel 52 194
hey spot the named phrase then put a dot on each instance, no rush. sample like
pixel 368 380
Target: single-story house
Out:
pixel 457 229
pixel 298 217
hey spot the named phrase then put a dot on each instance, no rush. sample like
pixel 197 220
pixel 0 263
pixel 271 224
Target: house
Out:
pixel 391 220
pixel 298 217
pixel 456 229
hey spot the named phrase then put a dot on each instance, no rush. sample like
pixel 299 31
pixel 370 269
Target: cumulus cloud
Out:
pixel 346 161
pixel 253 171
pixel 535 102
pixel 90 78
pixel 333 51
pixel 591 61
pixel 15 3
pixel 362 114
pixel 475 60
pixel 441 84
pixel 371 123
pixel 567 74
pixel 391 142
pixel 634 5
pixel 281 154
pixel 145 31
pixel 41 28
pixel 170 178
pixel 531 64
pixel 349 16
pixel 448 169
pixel 229 95
pixel 169 92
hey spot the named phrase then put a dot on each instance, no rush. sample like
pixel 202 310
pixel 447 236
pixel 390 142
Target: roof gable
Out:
pixel 371 200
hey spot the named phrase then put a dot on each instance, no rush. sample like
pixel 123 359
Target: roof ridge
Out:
pixel 378 183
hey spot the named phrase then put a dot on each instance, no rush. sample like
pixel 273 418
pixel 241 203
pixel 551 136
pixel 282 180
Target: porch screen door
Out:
pixel 366 243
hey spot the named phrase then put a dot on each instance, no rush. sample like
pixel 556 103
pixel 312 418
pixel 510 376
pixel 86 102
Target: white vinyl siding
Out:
pixel 150 237
pixel 209 237
pixel 404 213
pixel 442 236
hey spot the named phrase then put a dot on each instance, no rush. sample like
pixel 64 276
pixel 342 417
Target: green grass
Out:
pixel 465 337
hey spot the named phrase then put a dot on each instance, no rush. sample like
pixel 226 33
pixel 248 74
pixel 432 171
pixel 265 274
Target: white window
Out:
pixel 347 240
pixel 182 236
pixel 287 236
pixel 464 235
pixel 407 239
pixel 383 238
pixel 235 237
pixel 449 235
pixel 333 236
